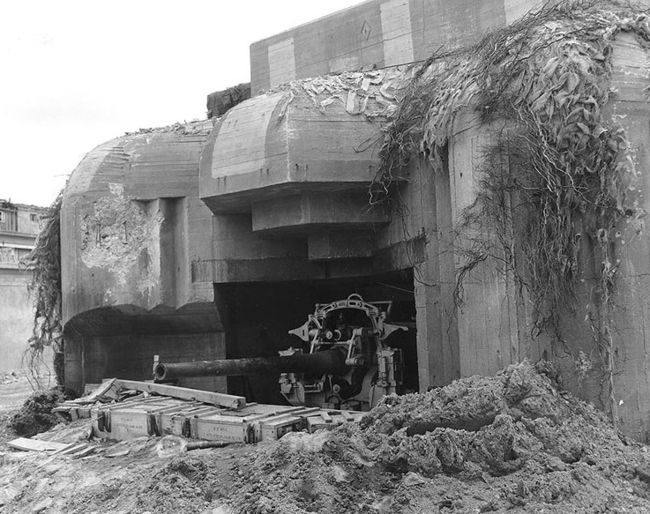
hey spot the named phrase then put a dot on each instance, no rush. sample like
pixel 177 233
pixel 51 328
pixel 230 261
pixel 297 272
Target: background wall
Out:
pixel 17 235
pixel 15 317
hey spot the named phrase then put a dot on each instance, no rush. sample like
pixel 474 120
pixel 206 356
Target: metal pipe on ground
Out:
pixel 327 361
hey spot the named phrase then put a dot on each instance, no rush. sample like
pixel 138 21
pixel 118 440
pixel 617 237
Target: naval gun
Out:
pixel 343 361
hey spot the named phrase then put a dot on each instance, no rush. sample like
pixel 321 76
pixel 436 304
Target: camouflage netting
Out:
pixel 374 94
pixel 554 183
pixel 480 444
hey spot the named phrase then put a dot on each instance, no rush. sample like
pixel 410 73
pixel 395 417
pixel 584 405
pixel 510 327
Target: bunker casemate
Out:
pixel 494 193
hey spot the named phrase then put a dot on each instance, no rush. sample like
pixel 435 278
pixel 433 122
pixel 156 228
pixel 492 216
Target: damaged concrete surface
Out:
pixel 125 220
pixel 513 442
pixel 120 233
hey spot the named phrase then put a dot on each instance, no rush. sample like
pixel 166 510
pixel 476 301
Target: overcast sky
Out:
pixel 74 74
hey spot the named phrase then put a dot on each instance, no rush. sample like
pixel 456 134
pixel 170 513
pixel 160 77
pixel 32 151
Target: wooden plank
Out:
pixel 212 398
pixel 26 444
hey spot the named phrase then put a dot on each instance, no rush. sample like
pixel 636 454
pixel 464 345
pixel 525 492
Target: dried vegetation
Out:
pixel 45 262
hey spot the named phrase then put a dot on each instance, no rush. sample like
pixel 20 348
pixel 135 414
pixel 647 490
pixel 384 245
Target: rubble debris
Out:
pixel 191 128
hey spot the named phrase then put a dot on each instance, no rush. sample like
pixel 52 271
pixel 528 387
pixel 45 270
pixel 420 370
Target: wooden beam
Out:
pixel 212 398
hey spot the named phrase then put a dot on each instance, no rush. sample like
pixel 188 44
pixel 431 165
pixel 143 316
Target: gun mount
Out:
pixel 342 363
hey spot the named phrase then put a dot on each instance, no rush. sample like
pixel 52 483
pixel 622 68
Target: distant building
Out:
pixel 19 226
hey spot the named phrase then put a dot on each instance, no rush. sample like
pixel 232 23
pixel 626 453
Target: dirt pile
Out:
pixel 481 444
pixel 36 415
pixel 508 443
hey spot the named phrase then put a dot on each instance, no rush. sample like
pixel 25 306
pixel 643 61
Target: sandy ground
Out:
pixel 13 391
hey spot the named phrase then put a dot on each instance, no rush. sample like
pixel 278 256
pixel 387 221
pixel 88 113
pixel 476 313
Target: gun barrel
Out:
pixel 327 361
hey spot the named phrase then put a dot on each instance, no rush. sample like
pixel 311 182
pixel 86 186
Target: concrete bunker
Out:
pixel 265 213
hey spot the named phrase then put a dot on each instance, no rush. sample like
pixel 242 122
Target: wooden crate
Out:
pixel 159 415
pixel 131 419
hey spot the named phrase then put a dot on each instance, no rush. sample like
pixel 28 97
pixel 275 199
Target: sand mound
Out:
pixel 480 444
pixel 509 443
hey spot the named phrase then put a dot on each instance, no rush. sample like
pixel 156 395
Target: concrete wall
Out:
pixel 377 33
pixel 631 339
pixel 483 335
